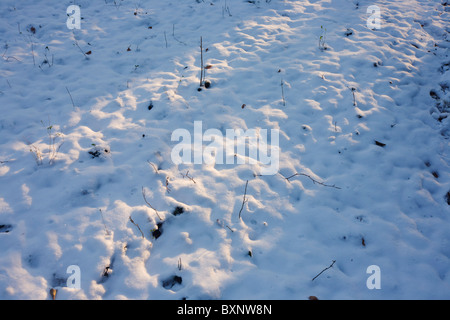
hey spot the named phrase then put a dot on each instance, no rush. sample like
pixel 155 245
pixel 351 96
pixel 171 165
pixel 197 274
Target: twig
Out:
pixel 11 57
pixel 167 185
pixel 46 60
pixel 220 223
pixel 165 37
pixel 313 180
pixel 52 138
pixel 322 39
pixel 244 199
pixel 37 154
pixel 180 265
pixel 103 220
pixel 353 90
pixel 153 166
pixel 201 61
pixel 173 35
pixel 282 92
pixel 7 58
pixel 145 199
pixel 84 54
pixel 226 9
pixel 229 228
pixel 187 176
pixel 32 51
pixel 324 270
pixel 131 220
pixel 73 104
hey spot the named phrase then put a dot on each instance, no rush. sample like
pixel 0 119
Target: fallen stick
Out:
pixel 313 180
pixel 244 200
pixel 73 104
pixel 145 199
pixel 324 270
pixel 131 220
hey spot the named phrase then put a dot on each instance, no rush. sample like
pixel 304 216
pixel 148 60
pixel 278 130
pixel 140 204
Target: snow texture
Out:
pixel 85 132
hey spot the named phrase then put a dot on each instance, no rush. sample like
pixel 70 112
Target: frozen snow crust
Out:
pixel 85 131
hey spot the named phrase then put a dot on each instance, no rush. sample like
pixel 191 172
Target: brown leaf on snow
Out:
pixel 53 293
pixel 380 144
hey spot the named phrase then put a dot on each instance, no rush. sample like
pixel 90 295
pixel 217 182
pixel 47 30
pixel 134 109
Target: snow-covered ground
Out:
pixel 87 117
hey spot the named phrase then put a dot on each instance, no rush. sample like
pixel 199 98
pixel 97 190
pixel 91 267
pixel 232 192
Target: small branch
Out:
pixel 55 151
pixel 173 35
pixel 131 220
pixel 220 223
pixel 313 180
pixel 282 92
pixel 71 99
pixel 165 37
pixel 229 228
pixel 84 54
pixel 103 220
pixel 167 185
pixel 201 61
pixel 36 154
pixel 353 90
pixel 11 57
pixel 226 9
pixel 153 166
pixel 32 52
pixel 324 270
pixel 145 199
pixel 187 176
pixel 244 200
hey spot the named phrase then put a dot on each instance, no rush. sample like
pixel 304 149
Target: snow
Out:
pixel 86 122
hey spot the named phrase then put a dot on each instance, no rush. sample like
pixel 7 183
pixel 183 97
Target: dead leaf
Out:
pixel 53 293
pixel 380 144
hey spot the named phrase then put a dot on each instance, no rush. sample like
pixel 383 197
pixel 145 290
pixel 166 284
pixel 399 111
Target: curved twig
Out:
pixel 244 200
pixel 145 199
pixel 334 261
pixel 312 179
